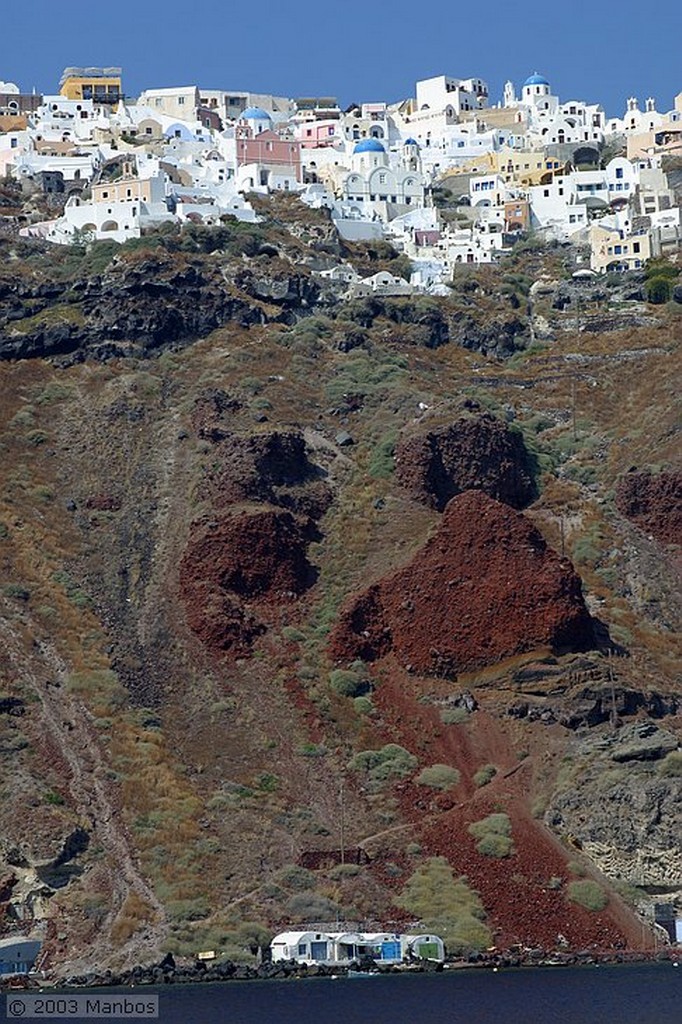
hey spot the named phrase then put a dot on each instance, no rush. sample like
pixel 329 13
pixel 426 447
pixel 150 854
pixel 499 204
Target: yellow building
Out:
pixel 101 85
pixel 515 167
pixel 612 250
pixel 123 190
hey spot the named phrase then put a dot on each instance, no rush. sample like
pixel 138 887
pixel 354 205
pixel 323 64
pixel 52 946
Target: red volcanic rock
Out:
pixel 474 452
pixel 483 588
pixel 654 503
pixel 235 568
pixel 272 467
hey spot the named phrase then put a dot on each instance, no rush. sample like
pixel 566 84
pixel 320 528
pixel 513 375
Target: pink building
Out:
pixel 269 150
pixel 315 134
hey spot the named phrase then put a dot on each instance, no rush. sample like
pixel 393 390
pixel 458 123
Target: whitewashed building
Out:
pixel 344 948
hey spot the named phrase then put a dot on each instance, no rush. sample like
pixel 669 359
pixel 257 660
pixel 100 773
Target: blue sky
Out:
pixel 356 50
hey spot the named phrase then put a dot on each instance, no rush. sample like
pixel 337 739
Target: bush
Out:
pixel 587 894
pixel 298 879
pixel 494 835
pixel 292 634
pixel 445 906
pixel 658 290
pixel 485 775
pixel 347 683
pixel 385 765
pixel 16 591
pixel 494 845
pixel 311 907
pixel 439 776
pixel 671 765
pixel 454 716
pixel 363 706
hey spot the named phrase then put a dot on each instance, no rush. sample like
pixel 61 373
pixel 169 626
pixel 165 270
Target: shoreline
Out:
pixel 168 972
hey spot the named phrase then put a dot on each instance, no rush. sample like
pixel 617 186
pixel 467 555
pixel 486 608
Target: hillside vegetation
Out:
pixel 286 579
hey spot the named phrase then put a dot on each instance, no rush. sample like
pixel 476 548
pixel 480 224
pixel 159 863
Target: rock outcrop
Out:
pixel 474 452
pixel 237 570
pixel 144 302
pixel 621 808
pixel 270 467
pixel 483 588
pixel 654 503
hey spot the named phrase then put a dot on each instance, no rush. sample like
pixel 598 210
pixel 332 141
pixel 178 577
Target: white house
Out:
pixel 119 210
pixel 440 92
pixel 343 948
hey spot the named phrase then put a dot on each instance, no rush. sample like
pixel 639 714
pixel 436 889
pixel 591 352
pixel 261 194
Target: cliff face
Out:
pixel 485 587
pixel 234 630
pixel 620 804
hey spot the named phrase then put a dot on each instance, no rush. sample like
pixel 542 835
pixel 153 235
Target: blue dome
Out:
pixel 369 146
pixel 255 114
pixel 410 142
pixel 536 79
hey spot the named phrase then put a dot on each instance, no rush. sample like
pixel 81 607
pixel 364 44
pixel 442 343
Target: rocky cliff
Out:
pixel 485 587
pixel 266 593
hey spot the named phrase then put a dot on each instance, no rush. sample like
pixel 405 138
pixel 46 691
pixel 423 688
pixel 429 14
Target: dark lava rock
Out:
pixel 475 452
pixel 271 467
pixel 653 502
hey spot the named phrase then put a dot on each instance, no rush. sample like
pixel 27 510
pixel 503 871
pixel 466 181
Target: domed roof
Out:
pixel 536 79
pixel 369 146
pixel 410 142
pixel 255 114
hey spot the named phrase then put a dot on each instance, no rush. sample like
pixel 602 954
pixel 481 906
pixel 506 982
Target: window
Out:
pixel 618 249
pixel 635 246
pixel 181 100
pixel 619 172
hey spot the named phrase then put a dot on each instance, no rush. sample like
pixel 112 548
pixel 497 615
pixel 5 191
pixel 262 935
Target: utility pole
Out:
pixel 342 818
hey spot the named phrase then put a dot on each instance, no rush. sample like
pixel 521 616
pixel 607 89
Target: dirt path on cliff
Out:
pixel 72 732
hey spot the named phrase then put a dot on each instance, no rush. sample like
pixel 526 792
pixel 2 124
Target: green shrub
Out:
pixel 383 766
pixel 17 591
pixel 494 835
pixel 494 845
pixel 671 765
pixel 658 290
pixel 454 716
pixel 347 683
pixel 298 879
pixel 312 750
pixel 292 634
pixel 587 894
pixel 56 799
pixel 311 907
pixel 382 462
pixel 439 776
pixel 445 906
pixel 485 775
pixel 188 910
pixel 363 706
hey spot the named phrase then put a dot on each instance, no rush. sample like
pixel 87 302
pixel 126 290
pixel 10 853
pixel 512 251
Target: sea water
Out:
pixel 632 994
